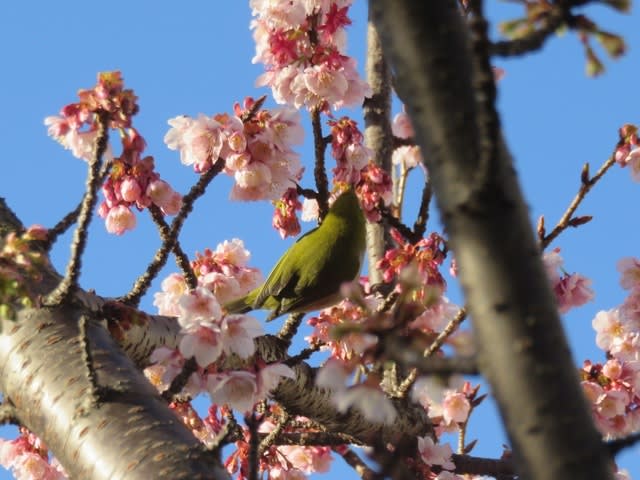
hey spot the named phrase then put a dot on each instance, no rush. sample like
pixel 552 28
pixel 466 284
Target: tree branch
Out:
pixel 379 138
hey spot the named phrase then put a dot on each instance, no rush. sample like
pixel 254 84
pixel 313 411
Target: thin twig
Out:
pixel 451 327
pixel 533 41
pixel 290 327
pixel 394 222
pixel 304 354
pixel 405 386
pixel 257 105
pixel 483 466
pixel 231 432
pixel 619 444
pixel 267 441
pixel 254 457
pixel 70 218
pixel 420 225
pixel 143 282
pixel 87 359
pixel 403 142
pixel 319 172
pixel 401 185
pixel 60 294
pixel 180 381
pixel 181 258
pixel 586 184
pixel 355 462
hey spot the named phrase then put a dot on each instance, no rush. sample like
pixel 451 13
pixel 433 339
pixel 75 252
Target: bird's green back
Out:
pixel 308 276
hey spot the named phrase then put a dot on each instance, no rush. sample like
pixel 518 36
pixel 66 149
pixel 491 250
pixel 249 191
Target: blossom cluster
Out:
pixel 208 333
pixel 421 260
pixel 28 458
pixel 355 166
pixel 283 461
pixel 302 46
pixel 367 397
pixel 613 388
pixel 256 147
pixel 285 220
pixel 571 290
pixel 407 156
pixel 448 404
pixel 132 181
pixel 342 329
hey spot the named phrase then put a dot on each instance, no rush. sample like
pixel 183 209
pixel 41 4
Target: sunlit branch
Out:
pixel 61 293
pixel 269 440
pixel 290 327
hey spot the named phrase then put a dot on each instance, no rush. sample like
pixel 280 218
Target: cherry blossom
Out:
pixel 28 459
pixel 433 454
pixel 238 389
pixel 571 290
pixel 237 334
pixel 285 220
pixel 119 219
pixel 302 48
pixel 372 402
pixel 426 255
pixel 455 407
pixel 132 180
pixel 401 125
pixel 629 267
pixel 224 271
pixel 173 287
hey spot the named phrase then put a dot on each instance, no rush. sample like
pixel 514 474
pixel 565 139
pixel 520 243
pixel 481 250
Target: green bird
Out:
pixel 309 274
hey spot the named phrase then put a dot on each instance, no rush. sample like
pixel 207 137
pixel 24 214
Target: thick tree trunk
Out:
pixel 522 348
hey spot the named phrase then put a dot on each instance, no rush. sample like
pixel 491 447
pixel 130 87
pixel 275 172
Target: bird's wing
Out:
pixel 285 273
pixel 294 291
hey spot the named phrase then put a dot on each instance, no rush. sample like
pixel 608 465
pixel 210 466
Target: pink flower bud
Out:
pixel 130 189
pixel 120 219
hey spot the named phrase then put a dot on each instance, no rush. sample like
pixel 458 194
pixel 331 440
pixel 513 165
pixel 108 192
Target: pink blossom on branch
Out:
pixel 426 256
pixel 132 181
pixel 433 454
pixel 238 389
pixel 629 267
pixel 571 290
pixel 257 152
pixel 301 45
pixel 224 271
pixel 285 220
pixel 28 458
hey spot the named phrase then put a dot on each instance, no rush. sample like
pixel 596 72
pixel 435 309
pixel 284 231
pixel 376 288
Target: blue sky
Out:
pixel 197 58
